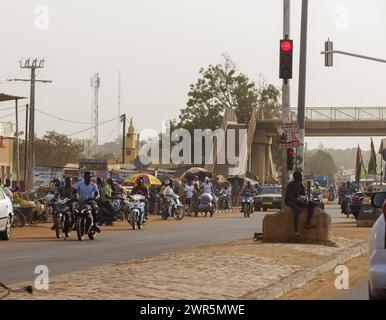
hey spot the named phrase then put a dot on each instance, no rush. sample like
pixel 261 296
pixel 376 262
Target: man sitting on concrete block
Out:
pixel 296 198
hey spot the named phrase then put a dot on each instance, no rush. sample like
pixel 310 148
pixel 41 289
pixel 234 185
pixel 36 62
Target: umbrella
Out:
pixel 221 179
pixel 196 171
pixel 148 178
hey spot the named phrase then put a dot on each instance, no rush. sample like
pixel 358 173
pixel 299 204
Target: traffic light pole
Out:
pixel 285 96
pixel 354 55
pixel 302 85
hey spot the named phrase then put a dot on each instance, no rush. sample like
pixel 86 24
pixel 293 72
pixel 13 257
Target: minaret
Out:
pixel 131 143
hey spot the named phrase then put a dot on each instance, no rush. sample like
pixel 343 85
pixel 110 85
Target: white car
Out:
pixel 6 216
pixel 377 251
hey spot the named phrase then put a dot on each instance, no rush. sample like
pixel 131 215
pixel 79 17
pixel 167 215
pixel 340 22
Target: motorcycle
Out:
pixel 175 208
pixel 63 217
pixel 122 207
pixel 317 197
pixel 247 205
pixel 225 202
pixel 18 219
pixel 137 211
pixel 205 205
pixel 84 221
pixel 331 196
pixel 346 205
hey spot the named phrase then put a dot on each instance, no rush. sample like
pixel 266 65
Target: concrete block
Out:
pixel 279 227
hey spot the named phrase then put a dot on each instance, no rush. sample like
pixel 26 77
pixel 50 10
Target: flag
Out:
pixel 382 149
pixel 360 170
pixel 372 169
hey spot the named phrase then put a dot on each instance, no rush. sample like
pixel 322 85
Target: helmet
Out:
pixel 141 180
pixel 167 182
pixel 316 184
pixel 206 179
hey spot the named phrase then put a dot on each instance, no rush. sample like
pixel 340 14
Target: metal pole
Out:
pixel 31 154
pixel 285 96
pixel 302 84
pixel 17 144
pixel 361 56
pixel 26 149
pixel 123 117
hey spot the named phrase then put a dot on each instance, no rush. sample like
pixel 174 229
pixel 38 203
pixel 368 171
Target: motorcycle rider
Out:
pixel 226 192
pixel 143 190
pixel 106 197
pixel 317 189
pixel 88 190
pixel 66 191
pixel 348 190
pixel 247 191
pixel 168 194
pixel 207 187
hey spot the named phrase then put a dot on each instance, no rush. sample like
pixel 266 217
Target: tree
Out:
pixel 55 149
pixel 320 163
pixel 219 86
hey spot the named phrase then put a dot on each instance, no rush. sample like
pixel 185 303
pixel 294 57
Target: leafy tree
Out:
pixel 219 86
pixel 55 149
pixel 320 163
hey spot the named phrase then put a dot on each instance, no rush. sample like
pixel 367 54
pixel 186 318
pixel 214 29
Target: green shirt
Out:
pixel 106 192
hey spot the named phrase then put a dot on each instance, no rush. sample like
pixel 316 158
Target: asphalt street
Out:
pixel 18 258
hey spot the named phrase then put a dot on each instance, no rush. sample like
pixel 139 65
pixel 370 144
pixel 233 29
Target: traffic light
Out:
pixel 286 57
pixel 328 57
pixel 291 158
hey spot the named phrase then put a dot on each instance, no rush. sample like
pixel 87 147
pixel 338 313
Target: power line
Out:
pixel 71 121
pixel 84 130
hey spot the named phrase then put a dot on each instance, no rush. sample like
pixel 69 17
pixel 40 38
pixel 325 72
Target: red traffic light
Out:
pixel 286 45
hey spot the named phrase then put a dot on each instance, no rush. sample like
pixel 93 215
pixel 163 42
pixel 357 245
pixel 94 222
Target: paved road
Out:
pixel 19 258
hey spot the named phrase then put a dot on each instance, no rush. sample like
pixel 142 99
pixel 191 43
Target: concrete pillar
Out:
pixel 260 154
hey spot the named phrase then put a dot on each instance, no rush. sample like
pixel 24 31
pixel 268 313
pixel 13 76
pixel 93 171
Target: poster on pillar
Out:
pixel 289 135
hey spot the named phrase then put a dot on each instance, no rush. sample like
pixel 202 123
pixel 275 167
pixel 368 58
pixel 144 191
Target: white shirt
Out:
pixel 189 191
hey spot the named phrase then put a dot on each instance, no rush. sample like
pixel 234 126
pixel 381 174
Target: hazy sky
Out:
pixel 160 45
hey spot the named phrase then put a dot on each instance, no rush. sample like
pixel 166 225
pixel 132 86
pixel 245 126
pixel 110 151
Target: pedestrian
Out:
pixel 189 195
pixel 296 198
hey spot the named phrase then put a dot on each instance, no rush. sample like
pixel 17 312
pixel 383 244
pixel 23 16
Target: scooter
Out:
pixel 346 205
pixel 206 205
pixel 137 211
pixel 175 208
pixel 247 206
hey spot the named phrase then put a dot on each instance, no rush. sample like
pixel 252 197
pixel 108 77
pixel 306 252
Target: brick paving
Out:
pixel 229 270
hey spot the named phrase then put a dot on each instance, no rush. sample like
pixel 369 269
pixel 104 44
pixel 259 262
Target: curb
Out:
pixel 300 278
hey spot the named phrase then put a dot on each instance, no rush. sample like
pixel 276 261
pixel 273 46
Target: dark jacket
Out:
pixel 294 190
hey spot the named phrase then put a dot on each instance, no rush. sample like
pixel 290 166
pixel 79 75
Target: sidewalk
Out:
pixel 243 269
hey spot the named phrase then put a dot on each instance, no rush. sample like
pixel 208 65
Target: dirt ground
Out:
pixel 323 286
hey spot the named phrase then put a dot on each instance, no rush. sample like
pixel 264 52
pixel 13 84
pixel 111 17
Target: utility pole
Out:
pixel 26 148
pixel 95 84
pixel 302 84
pixel 285 96
pixel 32 65
pixel 123 119
pixel 119 95
pixel 17 144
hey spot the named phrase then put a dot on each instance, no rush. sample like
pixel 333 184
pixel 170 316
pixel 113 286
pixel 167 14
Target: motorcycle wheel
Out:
pixel 91 235
pixel 121 215
pixel 140 219
pixel 179 213
pixel 211 214
pixel 133 221
pixel 81 228
pixel 59 226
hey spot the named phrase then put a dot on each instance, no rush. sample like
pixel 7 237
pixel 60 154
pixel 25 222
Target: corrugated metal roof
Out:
pixel 8 97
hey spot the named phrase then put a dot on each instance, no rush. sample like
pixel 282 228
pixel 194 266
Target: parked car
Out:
pixel 356 203
pixel 377 251
pixel 6 216
pixel 268 198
